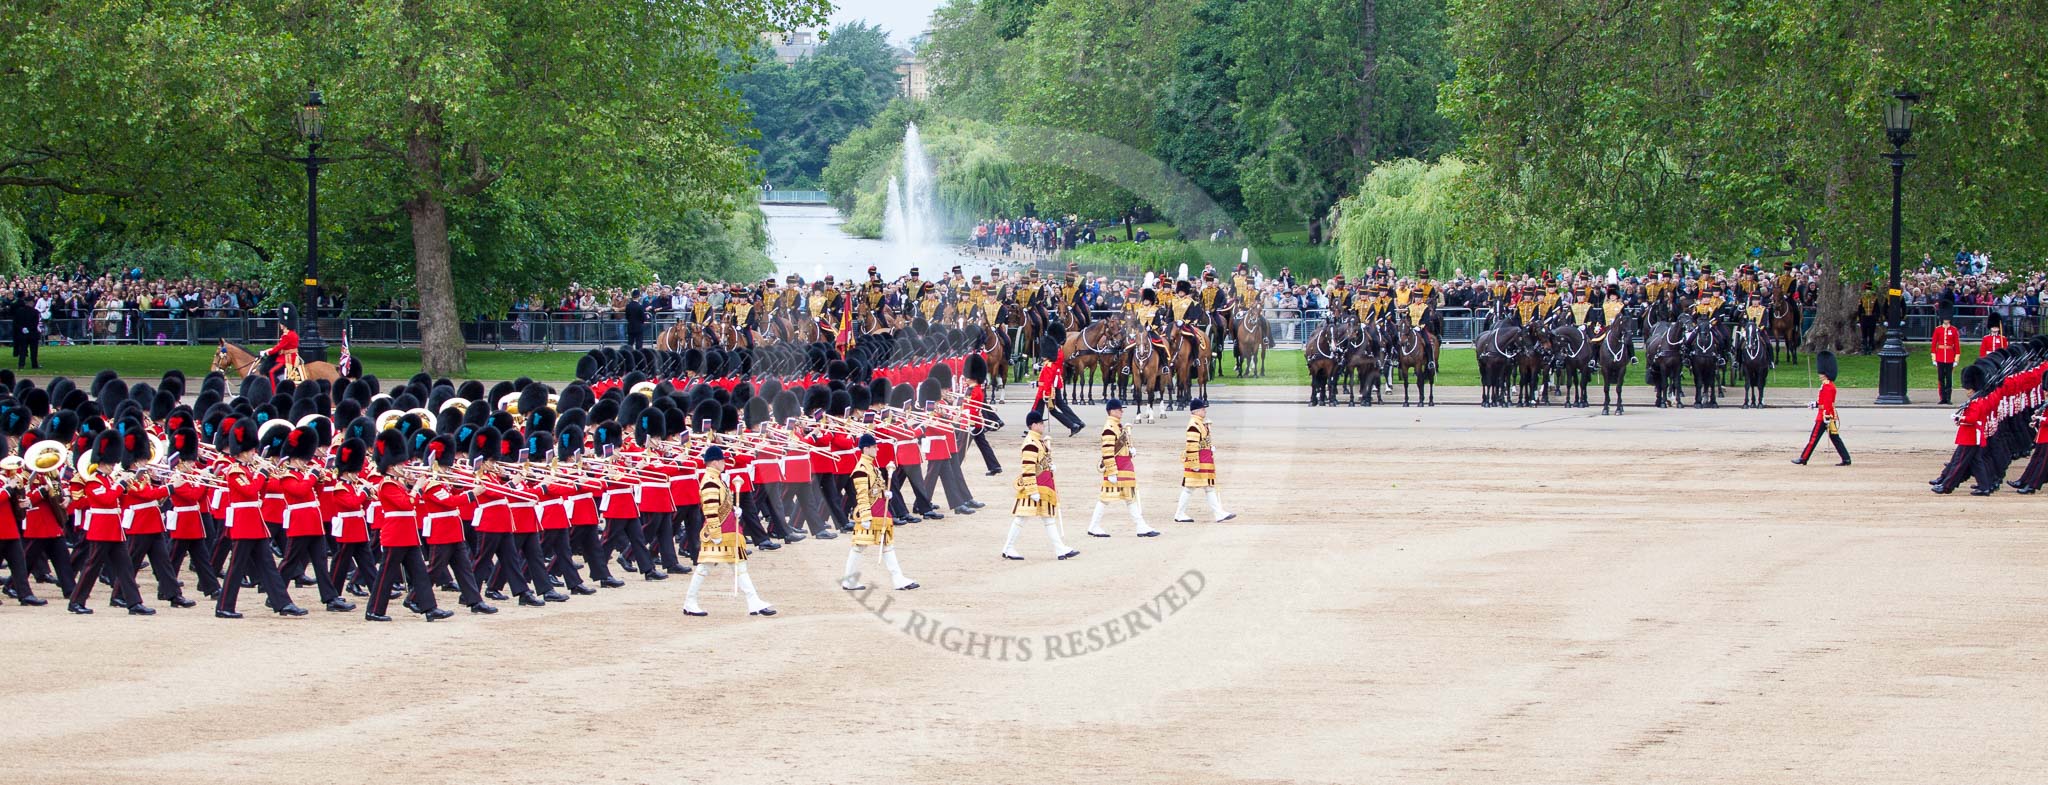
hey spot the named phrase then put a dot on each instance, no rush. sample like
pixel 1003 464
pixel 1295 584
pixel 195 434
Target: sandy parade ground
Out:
pixel 1452 595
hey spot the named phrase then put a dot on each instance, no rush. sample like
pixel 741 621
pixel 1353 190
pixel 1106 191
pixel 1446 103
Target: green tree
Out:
pixel 1328 87
pixel 172 118
pixel 1199 135
pixel 968 59
pixel 1718 128
pixel 1090 73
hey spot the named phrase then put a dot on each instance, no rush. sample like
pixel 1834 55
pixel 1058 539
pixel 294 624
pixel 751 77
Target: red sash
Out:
pixel 1208 457
pixel 881 508
pixel 1123 464
pixel 1045 480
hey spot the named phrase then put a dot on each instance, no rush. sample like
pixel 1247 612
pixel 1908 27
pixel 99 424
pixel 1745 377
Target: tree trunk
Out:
pixel 442 351
pixel 1834 318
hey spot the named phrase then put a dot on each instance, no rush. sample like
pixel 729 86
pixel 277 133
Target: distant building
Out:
pixel 791 45
pixel 912 80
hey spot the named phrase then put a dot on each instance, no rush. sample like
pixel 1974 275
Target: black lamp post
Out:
pixel 312 348
pixel 1891 371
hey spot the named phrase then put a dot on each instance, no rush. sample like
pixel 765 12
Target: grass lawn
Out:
pixel 1459 369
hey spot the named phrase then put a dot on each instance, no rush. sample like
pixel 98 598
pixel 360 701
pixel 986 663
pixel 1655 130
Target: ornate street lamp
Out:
pixel 1891 373
pixel 312 348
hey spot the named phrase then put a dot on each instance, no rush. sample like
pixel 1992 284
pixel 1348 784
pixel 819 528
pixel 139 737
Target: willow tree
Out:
pixel 1720 127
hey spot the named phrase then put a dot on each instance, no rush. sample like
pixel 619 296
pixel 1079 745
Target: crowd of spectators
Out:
pixel 1037 237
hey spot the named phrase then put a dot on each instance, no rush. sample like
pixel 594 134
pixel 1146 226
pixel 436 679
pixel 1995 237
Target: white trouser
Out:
pixel 1052 532
pixel 1137 508
pixel 744 581
pixel 1180 512
pixel 858 553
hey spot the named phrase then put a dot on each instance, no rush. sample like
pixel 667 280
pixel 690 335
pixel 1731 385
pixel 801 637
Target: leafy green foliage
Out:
pixel 1716 128
pixel 801 110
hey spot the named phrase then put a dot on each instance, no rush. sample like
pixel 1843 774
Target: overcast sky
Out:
pixel 903 19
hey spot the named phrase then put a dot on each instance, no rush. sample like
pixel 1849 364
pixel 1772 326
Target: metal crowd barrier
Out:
pixel 578 330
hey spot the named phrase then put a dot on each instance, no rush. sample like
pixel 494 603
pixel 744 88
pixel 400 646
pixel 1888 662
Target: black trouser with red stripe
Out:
pixel 2036 471
pixel 500 560
pixel 658 530
pixel 310 550
pixel 201 553
pixel 836 490
pixel 50 551
pixel 625 534
pixel 1961 465
pixel 407 558
pixel 692 529
pixel 454 557
pixel 352 565
pixel 252 561
pixel 583 540
pixel 112 557
pixel 158 548
pixel 554 543
pixel 1821 427
pixel 16 557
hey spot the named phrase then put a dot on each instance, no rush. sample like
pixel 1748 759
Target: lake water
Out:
pixel 806 240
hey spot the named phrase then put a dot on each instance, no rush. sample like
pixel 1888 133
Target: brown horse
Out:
pixel 1784 325
pixel 1252 335
pixel 1325 353
pixel 1097 347
pixel 1415 352
pixel 683 335
pixel 1145 367
pixel 240 362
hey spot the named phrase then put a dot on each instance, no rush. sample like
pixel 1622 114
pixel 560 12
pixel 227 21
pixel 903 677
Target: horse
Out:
pixel 1534 364
pixel 1574 362
pixel 1092 349
pixel 1324 354
pixel 1666 351
pixel 1785 323
pixel 1498 351
pixel 1753 353
pixel 1416 352
pixel 1145 373
pixel 240 362
pixel 1616 353
pixel 1703 350
pixel 1365 358
pixel 1251 329
pixel 1190 363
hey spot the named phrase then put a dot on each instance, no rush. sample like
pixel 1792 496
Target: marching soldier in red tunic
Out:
pixel 13 514
pixel 187 527
pixel 1825 420
pixel 304 530
pixel 440 509
pixel 398 532
pixel 245 528
pixel 100 493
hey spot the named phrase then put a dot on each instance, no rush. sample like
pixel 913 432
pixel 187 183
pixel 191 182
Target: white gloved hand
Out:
pixel 1033 498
